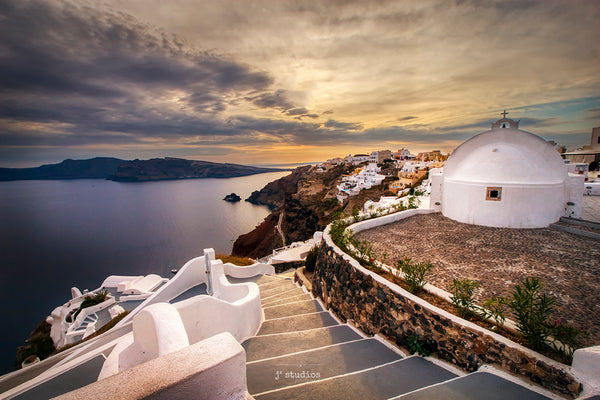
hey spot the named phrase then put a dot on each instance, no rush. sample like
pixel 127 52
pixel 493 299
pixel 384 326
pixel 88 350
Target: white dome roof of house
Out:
pixel 506 154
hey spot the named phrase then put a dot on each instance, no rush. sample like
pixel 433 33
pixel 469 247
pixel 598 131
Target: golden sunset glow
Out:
pixel 267 82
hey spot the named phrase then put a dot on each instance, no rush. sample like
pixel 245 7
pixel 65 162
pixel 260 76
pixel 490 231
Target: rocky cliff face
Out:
pixel 178 168
pixel 94 168
pixel 132 171
pixel 274 193
pixel 306 202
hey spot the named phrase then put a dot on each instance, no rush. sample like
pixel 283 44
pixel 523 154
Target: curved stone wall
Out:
pixel 377 306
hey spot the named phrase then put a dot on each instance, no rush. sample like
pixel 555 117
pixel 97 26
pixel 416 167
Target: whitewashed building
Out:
pixel 363 178
pixel 506 177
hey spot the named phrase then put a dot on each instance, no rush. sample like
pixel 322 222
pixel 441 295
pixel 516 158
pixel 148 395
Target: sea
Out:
pixel 56 234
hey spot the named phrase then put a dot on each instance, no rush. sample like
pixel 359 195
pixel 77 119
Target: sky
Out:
pixel 278 81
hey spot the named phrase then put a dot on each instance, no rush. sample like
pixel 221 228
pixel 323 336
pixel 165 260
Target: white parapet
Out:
pixel 214 368
pixel 236 271
pixel 190 275
pixel 158 330
pixel 586 366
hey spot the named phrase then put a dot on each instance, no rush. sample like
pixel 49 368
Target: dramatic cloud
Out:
pixel 254 79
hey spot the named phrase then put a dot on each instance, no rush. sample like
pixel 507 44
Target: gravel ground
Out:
pixel 567 264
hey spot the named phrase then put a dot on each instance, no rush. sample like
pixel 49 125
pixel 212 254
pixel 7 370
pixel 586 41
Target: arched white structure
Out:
pixel 505 177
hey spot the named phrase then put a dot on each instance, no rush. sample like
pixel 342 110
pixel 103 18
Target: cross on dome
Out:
pixel 505 122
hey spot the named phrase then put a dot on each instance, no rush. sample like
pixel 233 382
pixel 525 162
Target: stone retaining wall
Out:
pixel 284 266
pixel 377 306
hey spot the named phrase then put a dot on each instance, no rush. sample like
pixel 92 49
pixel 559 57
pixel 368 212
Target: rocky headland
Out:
pixel 94 168
pixel 132 171
pixel 179 168
pixel 302 202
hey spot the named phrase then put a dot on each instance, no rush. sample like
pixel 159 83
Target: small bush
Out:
pixel 311 259
pixel 417 346
pixel 566 338
pixel 241 261
pixel 462 296
pixel 88 302
pixel 532 309
pixel 494 308
pixel 414 274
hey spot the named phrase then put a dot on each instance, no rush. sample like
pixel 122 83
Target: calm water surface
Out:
pixel 59 234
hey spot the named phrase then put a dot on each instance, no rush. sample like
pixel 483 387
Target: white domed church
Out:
pixel 506 177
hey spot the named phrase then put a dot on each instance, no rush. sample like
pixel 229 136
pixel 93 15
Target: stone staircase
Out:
pixel 578 227
pixel 303 352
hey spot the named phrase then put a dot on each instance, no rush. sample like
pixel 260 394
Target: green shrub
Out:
pixel 88 302
pixel 311 259
pixel 532 309
pixel 566 338
pixel 417 346
pixel 414 274
pixel 494 308
pixel 462 296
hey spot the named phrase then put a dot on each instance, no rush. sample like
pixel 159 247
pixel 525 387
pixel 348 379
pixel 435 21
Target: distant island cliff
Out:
pixel 132 171
pixel 94 168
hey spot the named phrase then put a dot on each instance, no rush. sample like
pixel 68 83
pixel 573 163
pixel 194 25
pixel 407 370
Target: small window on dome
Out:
pixel 494 193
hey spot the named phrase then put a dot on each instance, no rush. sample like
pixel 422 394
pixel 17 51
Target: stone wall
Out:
pixel 377 306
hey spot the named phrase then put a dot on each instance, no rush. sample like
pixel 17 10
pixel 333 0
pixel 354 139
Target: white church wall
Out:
pixel 520 206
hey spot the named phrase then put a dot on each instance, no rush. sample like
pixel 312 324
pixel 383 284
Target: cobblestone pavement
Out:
pixel 567 264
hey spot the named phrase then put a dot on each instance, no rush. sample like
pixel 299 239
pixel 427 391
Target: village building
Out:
pixel 434 155
pixel 380 156
pixel 403 154
pixel 357 158
pixel 588 153
pixel 506 177
pixel 362 178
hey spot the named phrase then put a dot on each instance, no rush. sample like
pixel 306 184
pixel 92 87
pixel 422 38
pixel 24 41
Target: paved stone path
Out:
pixel 567 264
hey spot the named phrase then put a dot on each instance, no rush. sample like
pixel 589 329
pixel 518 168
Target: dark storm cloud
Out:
pixel 278 100
pixel 99 71
pixel 331 123
pixel 297 111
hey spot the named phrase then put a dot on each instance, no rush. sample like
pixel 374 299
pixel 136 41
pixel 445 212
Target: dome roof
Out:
pixel 506 154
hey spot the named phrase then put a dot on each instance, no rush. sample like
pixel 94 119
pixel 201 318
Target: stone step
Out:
pixel 267 346
pixel 580 222
pixel 289 292
pixel 381 382
pixel 321 363
pixel 578 227
pixel 278 288
pixel 288 274
pixel 478 385
pixel 273 281
pixel 285 298
pixel 289 309
pixel 297 323
pixel 258 279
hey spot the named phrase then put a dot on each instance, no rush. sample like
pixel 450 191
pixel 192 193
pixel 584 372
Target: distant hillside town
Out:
pixel 408 170
pixel 405 169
